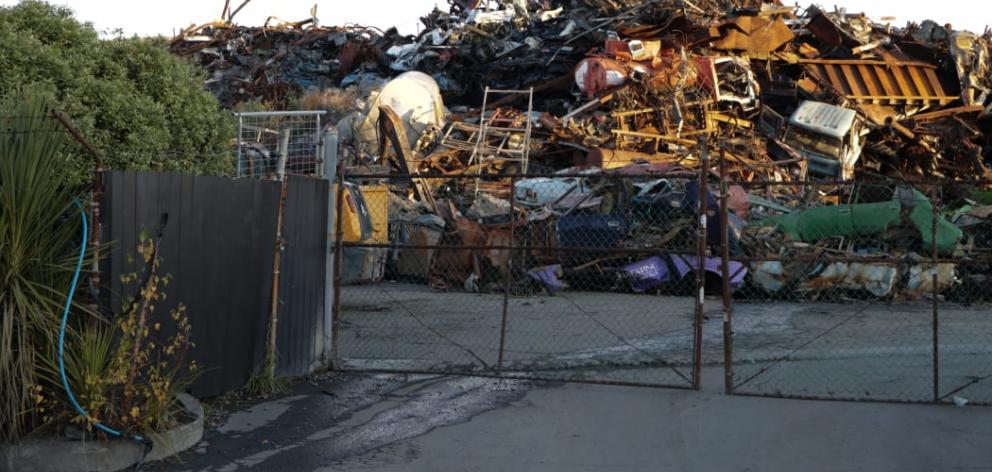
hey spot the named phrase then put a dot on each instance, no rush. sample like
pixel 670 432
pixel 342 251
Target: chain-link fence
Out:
pixel 964 367
pixel 858 291
pixel 834 290
pixel 271 141
pixel 584 276
pixel 836 302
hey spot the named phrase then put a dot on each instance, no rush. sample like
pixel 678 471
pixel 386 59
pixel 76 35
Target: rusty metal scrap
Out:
pixel 755 35
pixel 881 82
pixel 630 98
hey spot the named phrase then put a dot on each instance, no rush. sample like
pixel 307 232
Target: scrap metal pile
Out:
pixel 602 112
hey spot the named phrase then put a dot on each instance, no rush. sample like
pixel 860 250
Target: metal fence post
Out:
pixel 283 153
pixel 508 279
pixel 237 157
pixel 271 352
pixel 96 197
pixel 728 337
pixel 934 201
pixel 338 262
pixel 697 338
pixel 319 150
pixel 330 159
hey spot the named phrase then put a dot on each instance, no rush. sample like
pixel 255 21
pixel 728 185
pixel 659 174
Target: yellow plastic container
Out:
pixel 377 199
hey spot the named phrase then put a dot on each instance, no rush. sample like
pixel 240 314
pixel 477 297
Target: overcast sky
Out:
pixel 147 17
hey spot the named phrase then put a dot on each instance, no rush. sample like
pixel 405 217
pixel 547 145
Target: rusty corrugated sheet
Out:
pixel 756 35
pixel 888 83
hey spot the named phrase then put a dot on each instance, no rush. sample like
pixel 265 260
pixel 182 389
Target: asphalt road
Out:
pixel 422 423
pixel 411 422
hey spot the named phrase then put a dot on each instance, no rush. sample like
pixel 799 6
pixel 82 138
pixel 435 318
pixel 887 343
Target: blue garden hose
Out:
pixel 65 318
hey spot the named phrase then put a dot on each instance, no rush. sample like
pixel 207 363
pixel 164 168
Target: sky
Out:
pixel 165 17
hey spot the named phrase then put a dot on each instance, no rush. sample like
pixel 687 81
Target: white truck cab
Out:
pixel 828 137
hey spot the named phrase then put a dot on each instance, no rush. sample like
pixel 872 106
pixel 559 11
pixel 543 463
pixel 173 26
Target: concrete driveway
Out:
pixel 860 349
pixel 382 422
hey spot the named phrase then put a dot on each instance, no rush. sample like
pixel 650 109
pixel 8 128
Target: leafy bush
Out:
pixel 141 106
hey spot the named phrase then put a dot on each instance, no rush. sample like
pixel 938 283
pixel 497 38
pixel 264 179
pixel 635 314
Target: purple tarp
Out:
pixel 685 263
pixel 548 276
pixel 647 274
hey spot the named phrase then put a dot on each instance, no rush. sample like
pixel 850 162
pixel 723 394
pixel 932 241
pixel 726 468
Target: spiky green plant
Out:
pixel 88 353
pixel 38 228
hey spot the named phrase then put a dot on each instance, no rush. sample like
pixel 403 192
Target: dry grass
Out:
pixel 337 102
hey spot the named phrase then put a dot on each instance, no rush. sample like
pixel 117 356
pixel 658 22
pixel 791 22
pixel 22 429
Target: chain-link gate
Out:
pixel 823 313
pixel 269 141
pixel 865 291
pixel 964 327
pixel 580 276
pixel 861 291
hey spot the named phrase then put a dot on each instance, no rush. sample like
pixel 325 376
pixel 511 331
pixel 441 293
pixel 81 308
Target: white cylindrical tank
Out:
pixel 416 99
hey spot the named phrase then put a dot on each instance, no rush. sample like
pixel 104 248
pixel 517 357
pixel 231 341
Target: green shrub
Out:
pixel 141 106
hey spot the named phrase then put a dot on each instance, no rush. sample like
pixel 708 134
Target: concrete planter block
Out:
pixel 180 438
pixel 65 455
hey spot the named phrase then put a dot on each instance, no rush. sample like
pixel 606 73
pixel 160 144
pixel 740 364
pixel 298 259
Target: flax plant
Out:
pixel 39 232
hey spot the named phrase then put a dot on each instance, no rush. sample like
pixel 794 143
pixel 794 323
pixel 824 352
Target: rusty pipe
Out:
pixel 277 254
pixel 96 193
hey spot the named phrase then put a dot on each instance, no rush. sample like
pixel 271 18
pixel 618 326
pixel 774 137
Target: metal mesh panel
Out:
pixel 965 366
pixel 862 291
pixel 964 321
pixel 620 259
pixel 265 139
pixel 587 277
pixel 830 308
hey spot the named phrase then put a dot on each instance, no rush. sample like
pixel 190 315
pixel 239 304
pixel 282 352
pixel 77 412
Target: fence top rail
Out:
pixel 517 176
pixel 668 175
pixel 509 91
pixel 868 259
pixel 841 183
pixel 248 114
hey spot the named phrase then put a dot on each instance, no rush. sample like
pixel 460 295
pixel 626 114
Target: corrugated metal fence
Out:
pixel 217 241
